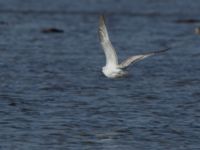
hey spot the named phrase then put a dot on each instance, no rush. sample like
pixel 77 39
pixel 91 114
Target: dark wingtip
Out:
pixel 101 24
pixel 164 50
pixel 102 18
pixel 102 15
pixel 159 51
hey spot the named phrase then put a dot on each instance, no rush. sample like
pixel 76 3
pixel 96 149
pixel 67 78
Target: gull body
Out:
pixel 113 69
pixel 113 72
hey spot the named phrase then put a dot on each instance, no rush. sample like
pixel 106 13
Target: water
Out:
pixel 54 96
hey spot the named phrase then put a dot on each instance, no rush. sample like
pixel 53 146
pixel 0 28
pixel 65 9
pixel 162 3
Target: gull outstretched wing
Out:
pixel 110 53
pixel 136 58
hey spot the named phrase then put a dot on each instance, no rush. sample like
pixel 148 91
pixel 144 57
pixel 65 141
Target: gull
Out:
pixel 113 69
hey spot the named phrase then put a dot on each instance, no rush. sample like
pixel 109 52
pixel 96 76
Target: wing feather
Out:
pixel 110 53
pixel 136 58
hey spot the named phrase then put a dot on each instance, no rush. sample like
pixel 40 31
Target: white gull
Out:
pixel 113 69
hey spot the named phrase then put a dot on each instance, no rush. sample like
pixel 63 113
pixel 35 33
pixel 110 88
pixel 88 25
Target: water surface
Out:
pixel 54 96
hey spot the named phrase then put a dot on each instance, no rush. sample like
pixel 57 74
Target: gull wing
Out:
pixel 136 58
pixel 110 53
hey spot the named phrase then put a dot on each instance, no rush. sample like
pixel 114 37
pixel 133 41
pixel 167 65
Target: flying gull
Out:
pixel 113 69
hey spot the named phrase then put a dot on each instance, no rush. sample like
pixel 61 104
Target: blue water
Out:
pixel 54 96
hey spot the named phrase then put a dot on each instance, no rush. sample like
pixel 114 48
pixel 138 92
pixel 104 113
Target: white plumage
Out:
pixel 113 69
